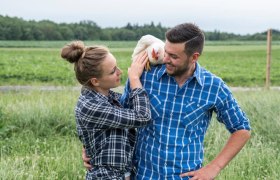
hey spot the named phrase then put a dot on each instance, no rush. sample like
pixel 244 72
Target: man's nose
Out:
pixel 166 58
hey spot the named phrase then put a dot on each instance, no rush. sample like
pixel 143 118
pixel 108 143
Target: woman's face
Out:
pixel 111 75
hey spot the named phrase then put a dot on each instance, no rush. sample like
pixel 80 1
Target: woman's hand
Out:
pixel 85 159
pixel 136 69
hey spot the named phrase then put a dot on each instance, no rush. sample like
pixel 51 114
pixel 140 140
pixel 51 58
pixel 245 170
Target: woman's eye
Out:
pixel 113 71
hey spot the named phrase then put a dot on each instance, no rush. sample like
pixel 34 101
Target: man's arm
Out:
pixel 235 143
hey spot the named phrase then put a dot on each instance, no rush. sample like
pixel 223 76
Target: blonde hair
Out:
pixel 86 60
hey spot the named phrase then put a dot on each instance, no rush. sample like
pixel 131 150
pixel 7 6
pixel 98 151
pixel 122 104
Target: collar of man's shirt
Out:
pixel 197 73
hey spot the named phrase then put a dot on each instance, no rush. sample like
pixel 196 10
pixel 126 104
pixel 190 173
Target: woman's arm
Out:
pixel 94 114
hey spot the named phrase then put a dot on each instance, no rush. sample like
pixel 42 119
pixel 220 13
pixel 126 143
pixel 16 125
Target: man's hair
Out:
pixel 187 33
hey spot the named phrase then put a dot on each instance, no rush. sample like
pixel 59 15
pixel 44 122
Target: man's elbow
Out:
pixel 244 133
pixel 248 134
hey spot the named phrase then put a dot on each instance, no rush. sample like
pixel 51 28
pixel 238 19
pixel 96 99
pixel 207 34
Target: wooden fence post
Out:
pixel 268 59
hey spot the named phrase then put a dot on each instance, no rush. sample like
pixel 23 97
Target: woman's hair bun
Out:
pixel 72 52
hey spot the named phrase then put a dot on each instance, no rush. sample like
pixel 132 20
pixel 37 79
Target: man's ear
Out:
pixel 94 81
pixel 195 57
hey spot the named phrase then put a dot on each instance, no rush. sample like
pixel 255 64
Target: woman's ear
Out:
pixel 94 81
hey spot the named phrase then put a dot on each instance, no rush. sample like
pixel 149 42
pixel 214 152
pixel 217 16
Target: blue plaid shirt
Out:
pixel 173 142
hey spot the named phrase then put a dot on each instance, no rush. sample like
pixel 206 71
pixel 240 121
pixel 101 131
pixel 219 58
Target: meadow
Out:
pixel 238 63
pixel 38 137
pixel 37 128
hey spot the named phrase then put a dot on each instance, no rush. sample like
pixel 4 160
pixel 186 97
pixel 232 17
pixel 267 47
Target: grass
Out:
pixel 260 157
pixel 38 137
pixel 37 128
pixel 242 65
pixel 28 63
pixel 44 66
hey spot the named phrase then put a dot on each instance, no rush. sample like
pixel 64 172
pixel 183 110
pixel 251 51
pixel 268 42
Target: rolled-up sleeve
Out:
pixel 229 112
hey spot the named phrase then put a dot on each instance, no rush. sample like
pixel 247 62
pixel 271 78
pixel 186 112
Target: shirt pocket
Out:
pixel 156 108
pixel 194 114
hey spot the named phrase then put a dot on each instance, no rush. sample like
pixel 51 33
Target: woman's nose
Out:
pixel 119 70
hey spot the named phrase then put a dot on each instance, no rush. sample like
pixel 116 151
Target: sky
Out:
pixel 232 16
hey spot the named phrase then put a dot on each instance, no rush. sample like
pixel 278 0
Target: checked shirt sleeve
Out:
pixel 101 114
pixel 229 112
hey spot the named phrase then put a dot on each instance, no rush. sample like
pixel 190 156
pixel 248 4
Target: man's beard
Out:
pixel 179 71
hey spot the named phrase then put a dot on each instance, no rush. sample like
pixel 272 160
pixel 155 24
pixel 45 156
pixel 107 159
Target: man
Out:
pixel 183 97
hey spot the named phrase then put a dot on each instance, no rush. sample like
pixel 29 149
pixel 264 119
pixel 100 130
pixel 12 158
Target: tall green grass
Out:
pixel 37 128
pixel 239 64
pixel 44 66
pixel 260 158
pixel 38 137
pixel 242 65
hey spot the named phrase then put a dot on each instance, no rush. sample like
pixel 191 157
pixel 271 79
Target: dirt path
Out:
pixel 46 88
pixel 118 89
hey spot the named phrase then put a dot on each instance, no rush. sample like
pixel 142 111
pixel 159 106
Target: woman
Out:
pixel 104 127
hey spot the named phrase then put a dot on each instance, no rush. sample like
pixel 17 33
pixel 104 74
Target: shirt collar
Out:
pixel 197 73
pixel 93 93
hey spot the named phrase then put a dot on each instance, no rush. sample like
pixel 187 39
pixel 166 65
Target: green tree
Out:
pixel 13 28
pixel 66 32
pixel 50 30
pixel 93 31
pixel 80 33
pixel 27 34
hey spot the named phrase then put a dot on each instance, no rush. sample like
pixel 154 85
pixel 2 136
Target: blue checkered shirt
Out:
pixel 107 132
pixel 173 142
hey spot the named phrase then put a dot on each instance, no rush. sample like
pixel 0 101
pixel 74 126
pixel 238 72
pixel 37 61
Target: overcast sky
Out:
pixel 236 16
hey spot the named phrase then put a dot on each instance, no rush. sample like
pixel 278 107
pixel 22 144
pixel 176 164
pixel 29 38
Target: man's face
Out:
pixel 176 60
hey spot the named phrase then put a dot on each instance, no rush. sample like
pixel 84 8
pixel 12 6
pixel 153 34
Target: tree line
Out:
pixel 14 28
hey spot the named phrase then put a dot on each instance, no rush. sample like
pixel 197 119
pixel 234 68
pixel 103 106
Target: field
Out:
pixel 239 64
pixel 37 128
pixel 38 139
